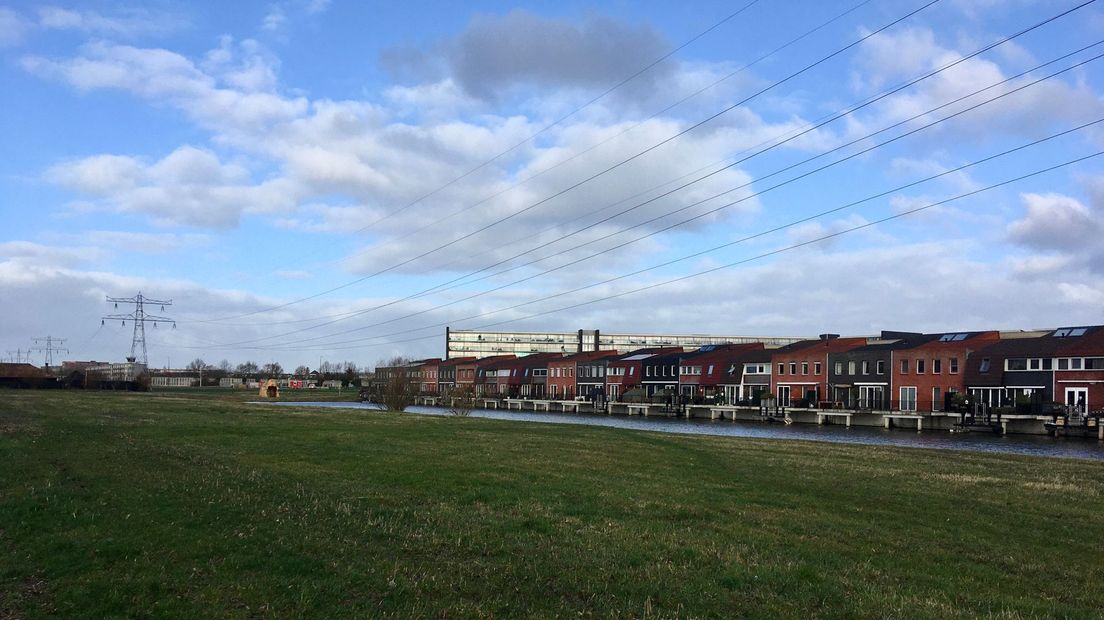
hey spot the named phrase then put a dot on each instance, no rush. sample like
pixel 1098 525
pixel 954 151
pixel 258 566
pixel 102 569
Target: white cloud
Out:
pixel 13 28
pixel 128 23
pixel 1054 221
pixel 190 186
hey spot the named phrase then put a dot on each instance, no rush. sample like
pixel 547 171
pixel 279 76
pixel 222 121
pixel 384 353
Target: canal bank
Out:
pixel 987 442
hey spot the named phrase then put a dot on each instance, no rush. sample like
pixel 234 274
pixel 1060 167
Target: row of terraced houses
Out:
pixel 905 371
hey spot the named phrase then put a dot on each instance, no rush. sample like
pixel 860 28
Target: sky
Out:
pixel 319 180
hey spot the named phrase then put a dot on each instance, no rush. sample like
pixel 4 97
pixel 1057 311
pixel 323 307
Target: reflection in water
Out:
pixel 975 441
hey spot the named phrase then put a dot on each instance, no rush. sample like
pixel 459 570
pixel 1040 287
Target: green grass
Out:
pixel 199 505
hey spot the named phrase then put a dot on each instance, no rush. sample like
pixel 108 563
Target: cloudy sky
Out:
pixel 328 179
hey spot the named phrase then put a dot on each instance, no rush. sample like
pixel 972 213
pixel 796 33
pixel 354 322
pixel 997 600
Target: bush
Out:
pixel 462 401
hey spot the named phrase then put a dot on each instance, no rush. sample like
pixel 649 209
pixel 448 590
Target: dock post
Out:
pixel 886 421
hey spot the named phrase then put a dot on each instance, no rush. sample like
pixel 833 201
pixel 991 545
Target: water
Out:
pixel 1033 445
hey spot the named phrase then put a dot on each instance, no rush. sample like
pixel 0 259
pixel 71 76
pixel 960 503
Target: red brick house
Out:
pixel 565 374
pixel 702 372
pixel 426 375
pixel 799 371
pixel 924 376
pixel 1079 368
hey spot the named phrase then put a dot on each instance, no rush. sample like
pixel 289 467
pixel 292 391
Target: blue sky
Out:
pixel 238 158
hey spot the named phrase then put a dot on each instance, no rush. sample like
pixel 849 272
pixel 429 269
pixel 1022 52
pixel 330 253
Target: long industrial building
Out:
pixel 475 343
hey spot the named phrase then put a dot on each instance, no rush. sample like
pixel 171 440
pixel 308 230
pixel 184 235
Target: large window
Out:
pixel 850 368
pixel 1015 364
pixel 908 399
pixel 839 368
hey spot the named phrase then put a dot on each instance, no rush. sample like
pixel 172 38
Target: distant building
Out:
pixel 477 343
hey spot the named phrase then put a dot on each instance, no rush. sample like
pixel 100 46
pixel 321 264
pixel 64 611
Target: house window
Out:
pixel 953 362
pixel 1075 363
pixel 710 369
pixel 880 367
pixel 781 369
pixel 648 371
pixel 1016 364
pixel 839 368
pixel 920 367
pixel 804 368
pixel 985 363
pixel 866 367
pixel 1048 364
pixel 793 368
pixel 1034 364
pixel 850 368
pixel 817 368
pixel 1063 364
pixel 632 371
pixel 904 367
pixel 908 399
pixel 1094 363
pixel 937 366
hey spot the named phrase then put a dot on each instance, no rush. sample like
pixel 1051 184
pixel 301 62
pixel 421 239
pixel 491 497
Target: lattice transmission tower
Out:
pixel 49 345
pixel 139 318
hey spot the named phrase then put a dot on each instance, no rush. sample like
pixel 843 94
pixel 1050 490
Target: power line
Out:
pixel 772 252
pixel 775 229
pixel 330 346
pixel 562 162
pixel 566 116
pixel 753 195
pixel 616 166
pixel 563 118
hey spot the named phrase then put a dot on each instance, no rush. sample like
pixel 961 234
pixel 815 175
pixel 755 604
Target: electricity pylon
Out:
pixel 49 348
pixel 139 318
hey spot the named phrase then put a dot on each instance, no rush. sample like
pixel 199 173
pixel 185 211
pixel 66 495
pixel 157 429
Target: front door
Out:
pixel 783 396
pixel 908 399
pixel 614 391
pixel 870 396
pixel 1077 399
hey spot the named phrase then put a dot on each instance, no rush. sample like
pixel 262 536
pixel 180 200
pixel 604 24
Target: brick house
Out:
pixel 799 371
pixel 566 374
pixel 1079 368
pixel 929 373
pixel 703 372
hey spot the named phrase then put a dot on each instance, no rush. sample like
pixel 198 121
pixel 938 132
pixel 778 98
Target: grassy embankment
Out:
pixel 200 505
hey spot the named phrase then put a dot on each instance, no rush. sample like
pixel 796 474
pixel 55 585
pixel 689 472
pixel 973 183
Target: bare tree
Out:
pixel 224 366
pixel 302 371
pixel 397 384
pixel 198 364
pixel 273 369
pixel 461 401
pixel 247 368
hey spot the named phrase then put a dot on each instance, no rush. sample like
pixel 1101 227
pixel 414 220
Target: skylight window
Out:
pixel 1080 331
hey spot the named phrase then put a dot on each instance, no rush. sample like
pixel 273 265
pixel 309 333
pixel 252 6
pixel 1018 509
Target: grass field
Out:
pixel 172 504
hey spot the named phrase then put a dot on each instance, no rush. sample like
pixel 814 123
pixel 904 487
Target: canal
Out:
pixel 1032 445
